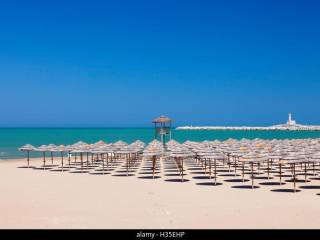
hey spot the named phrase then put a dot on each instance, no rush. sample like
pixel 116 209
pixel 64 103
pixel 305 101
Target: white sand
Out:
pixel 44 199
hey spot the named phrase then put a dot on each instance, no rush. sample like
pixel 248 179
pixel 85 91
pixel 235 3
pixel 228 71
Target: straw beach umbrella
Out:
pixel 77 146
pixel 61 149
pixel 27 148
pixel 215 156
pixel 179 157
pixel 293 159
pixel 95 146
pixel 281 161
pixel 153 154
pixel 52 148
pixel 127 151
pixel 315 158
pixel 79 150
pixel 69 149
pixel 43 149
pixel 154 149
pixel 253 158
pixel 100 151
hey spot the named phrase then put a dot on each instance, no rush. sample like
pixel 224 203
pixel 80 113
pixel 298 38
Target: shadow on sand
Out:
pixel 177 180
pixel 84 171
pixel 143 173
pixel 149 177
pixel 122 175
pixel 310 187
pixel 202 177
pixel 315 178
pixel 233 180
pixel 272 183
pixel 198 172
pixel 99 173
pixel 285 190
pixel 174 175
pixel 59 170
pixel 229 175
pixel 245 187
pixel 297 181
pixel 41 168
pixel 209 184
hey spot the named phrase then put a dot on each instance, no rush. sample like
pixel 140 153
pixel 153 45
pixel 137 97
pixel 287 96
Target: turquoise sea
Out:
pixel 13 138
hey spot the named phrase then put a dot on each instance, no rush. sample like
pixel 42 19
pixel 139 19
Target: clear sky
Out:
pixel 122 63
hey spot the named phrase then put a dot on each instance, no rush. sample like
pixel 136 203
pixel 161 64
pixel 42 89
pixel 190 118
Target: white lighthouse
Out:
pixel 291 122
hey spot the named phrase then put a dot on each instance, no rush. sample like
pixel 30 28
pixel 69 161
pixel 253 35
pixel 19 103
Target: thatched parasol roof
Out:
pixel 162 119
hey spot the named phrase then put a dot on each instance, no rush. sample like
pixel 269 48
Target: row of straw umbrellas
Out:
pixel 99 151
pixel 247 156
pixel 258 153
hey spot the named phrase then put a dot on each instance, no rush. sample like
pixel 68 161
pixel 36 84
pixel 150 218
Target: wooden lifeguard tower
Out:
pixel 162 128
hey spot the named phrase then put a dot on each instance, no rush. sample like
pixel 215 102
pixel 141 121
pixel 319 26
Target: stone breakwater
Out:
pixel 272 128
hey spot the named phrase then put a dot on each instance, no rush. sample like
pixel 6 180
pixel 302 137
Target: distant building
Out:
pixel 291 122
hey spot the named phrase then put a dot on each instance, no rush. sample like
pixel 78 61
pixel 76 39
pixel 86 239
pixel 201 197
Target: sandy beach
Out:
pixel 47 199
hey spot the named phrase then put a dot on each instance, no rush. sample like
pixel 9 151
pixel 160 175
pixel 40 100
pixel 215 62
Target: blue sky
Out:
pixel 122 63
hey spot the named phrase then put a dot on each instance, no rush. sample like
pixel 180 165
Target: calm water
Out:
pixel 13 138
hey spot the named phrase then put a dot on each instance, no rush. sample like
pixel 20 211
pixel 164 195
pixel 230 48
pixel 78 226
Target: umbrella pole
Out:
pixel 294 177
pixel 205 166
pixel 252 175
pixel 280 173
pixel 305 172
pixel 87 160
pixel 235 166
pixel 313 169
pixel 182 169
pixel 215 172
pixel 44 160
pixel 81 158
pixel 69 160
pixel 62 161
pixel 153 165
pixel 210 168
pixel 136 160
pixel 103 164
pixel 28 158
pixel 268 169
pixel 51 157
pixel 75 157
pixel 243 172
pixel 127 164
